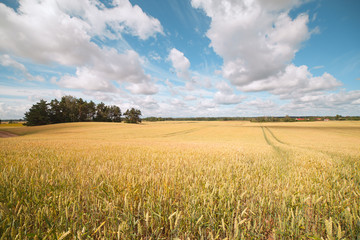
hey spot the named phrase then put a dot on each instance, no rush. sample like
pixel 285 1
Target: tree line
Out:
pixel 286 118
pixel 71 109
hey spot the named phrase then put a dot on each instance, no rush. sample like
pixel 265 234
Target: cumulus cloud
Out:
pixel 100 77
pixel 13 110
pixel 258 40
pixel 170 86
pixel 146 88
pixel 121 17
pixel 333 99
pixel 262 103
pixel 177 103
pixel 7 61
pixel 206 103
pixel 225 94
pixel 342 102
pixel 180 63
pixel 293 82
pixel 190 98
pixel 62 31
pixel 147 102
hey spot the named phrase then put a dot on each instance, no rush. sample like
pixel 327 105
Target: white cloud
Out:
pixel 262 104
pixel 190 98
pixel 206 103
pixel 155 56
pixel 111 68
pixel 317 104
pixel 257 39
pixel 13 109
pixel 7 61
pixel 42 32
pixel 86 79
pixel 121 17
pixel 147 103
pixel 226 95
pixel 170 86
pixel 293 82
pixel 333 99
pixel 180 63
pixel 146 88
pixel 61 32
pixel 178 103
pixel 226 99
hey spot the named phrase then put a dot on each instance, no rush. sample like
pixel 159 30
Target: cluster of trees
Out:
pixel 71 109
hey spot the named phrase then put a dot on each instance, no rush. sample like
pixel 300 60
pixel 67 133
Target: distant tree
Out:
pixel 115 113
pixel 288 119
pixel 102 112
pixel 81 110
pixel 38 114
pixel 338 117
pixel 55 112
pixel 69 108
pixel 132 116
pixel 0 121
pixel 91 111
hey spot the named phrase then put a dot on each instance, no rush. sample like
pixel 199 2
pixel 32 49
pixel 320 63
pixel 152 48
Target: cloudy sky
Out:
pixel 183 58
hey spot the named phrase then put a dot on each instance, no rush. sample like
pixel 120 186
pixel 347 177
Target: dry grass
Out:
pixel 197 180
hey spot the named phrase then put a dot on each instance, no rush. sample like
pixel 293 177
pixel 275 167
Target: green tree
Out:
pixel 132 116
pixel 102 112
pixel 55 113
pixel 288 119
pixel 338 117
pixel 38 114
pixel 91 111
pixel 82 110
pixel 115 113
pixel 69 108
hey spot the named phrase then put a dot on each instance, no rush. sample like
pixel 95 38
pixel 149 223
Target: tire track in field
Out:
pixel 281 145
pixel 182 132
pixel 281 150
pixel 277 149
pixel 273 135
pixel 283 167
pixel 4 134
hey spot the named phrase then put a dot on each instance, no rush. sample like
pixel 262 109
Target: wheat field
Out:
pixel 181 180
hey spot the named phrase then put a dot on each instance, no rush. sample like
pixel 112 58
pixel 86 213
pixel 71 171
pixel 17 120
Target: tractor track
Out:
pixel 280 146
pixel 4 134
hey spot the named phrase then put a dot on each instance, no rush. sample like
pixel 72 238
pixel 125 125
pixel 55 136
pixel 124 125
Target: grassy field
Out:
pixel 187 180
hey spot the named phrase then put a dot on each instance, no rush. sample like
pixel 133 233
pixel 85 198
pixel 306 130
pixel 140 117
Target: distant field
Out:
pixel 7 125
pixel 197 180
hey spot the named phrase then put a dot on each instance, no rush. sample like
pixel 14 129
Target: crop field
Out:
pixel 181 180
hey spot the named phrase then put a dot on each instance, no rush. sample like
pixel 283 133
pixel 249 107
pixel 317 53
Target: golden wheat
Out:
pixel 197 180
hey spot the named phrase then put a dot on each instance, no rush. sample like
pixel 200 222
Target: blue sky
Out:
pixel 183 58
